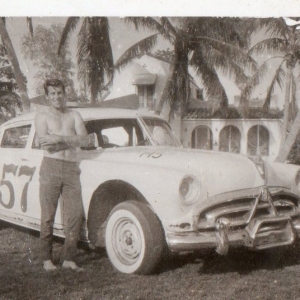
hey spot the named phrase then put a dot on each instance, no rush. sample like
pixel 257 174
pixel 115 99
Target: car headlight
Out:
pixel 189 189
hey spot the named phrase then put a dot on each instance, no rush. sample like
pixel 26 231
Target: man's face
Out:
pixel 56 97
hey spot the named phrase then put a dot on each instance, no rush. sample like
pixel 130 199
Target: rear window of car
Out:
pixel 15 137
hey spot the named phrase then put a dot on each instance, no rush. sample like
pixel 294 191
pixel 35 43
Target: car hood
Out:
pixel 217 172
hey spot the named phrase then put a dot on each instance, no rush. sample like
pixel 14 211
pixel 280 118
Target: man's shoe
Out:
pixel 68 264
pixel 48 265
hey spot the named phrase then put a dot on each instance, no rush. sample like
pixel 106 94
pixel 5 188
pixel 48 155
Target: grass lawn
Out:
pixel 239 275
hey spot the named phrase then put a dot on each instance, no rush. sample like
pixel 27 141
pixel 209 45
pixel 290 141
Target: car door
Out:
pixel 15 177
pixel 19 186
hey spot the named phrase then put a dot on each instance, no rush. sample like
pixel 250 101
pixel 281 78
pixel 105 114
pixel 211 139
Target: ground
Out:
pixel 241 274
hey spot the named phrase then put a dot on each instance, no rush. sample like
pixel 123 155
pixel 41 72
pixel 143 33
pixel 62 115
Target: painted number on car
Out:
pixel 151 154
pixel 10 200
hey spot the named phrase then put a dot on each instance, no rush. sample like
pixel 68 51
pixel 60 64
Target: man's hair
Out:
pixel 53 83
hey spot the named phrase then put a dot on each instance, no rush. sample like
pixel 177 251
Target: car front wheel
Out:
pixel 134 238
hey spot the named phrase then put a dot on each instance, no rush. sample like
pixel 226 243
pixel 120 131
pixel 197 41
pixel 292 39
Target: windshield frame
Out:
pixel 149 135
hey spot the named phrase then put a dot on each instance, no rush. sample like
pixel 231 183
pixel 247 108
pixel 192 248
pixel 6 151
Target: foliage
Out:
pixel 165 55
pixel 282 42
pixel 19 77
pixel 41 49
pixel 10 101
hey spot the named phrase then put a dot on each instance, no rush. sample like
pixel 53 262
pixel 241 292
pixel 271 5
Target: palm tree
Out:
pixel 283 42
pixel 20 78
pixel 94 55
pixel 207 44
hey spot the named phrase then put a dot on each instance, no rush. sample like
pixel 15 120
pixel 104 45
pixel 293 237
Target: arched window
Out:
pixel 230 139
pixel 202 138
pixel 258 140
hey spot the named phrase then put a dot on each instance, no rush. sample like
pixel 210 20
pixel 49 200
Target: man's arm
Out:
pixel 81 139
pixel 42 130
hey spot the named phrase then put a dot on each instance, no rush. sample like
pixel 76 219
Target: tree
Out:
pixel 10 101
pixel 20 78
pixel 283 42
pixel 207 44
pixel 94 55
pixel 42 50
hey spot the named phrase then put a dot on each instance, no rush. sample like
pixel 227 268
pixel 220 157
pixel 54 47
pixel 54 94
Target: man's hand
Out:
pixel 50 140
pixel 56 148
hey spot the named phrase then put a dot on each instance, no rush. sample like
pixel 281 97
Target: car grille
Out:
pixel 240 212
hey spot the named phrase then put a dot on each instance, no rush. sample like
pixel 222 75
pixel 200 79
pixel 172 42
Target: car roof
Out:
pixel 93 113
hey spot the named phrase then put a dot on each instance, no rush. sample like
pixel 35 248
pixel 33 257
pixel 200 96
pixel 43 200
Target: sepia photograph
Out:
pixel 149 150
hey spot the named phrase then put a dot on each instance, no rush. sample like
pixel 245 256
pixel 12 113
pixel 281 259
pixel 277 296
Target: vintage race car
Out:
pixel 144 193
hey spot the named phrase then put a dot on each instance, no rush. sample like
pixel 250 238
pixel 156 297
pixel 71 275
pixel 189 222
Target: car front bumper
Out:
pixel 258 235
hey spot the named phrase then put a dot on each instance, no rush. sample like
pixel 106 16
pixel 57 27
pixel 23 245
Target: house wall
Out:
pixel 216 125
pixel 123 81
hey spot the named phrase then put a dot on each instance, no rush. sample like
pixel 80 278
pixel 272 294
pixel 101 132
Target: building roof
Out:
pixel 128 102
pixel 143 79
pixel 94 113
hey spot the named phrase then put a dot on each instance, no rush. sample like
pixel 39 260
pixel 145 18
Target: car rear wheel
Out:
pixel 134 238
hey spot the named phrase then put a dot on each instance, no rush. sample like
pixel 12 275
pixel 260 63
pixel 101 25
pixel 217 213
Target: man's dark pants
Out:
pixel 59 177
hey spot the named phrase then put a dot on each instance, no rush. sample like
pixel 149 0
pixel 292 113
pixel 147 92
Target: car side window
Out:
pixel 115 137
pixel 113 133
pixel 15 137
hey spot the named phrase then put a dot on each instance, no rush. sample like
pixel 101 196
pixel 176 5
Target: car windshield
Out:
pixel 161 133
pixel 112 133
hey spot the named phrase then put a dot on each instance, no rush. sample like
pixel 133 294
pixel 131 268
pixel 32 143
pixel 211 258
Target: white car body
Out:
pixel 145 182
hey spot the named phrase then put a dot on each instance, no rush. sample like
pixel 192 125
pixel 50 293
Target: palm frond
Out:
pixel 210 79
pixel 221 29
pixel 271 44
pixel 253 81
pixel 227 51
pixel 234 71
pixel 94 57
pixel 167 25
pixel 152 24
pixel 70 26
pixel 278 27
pixel 137 49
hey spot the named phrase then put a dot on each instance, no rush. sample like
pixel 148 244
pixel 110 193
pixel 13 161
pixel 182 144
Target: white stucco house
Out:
pixel 146 77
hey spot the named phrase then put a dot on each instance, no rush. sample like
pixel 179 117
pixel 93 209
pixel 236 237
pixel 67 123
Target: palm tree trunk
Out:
pixel 178 79
pixel 20 79
pixel 286 105
pixel 288 142
pixel 165 92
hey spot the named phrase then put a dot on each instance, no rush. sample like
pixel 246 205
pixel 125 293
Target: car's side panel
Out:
pixel 19 186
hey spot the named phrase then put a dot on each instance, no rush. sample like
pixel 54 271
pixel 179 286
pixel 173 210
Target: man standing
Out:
pixel 59 131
